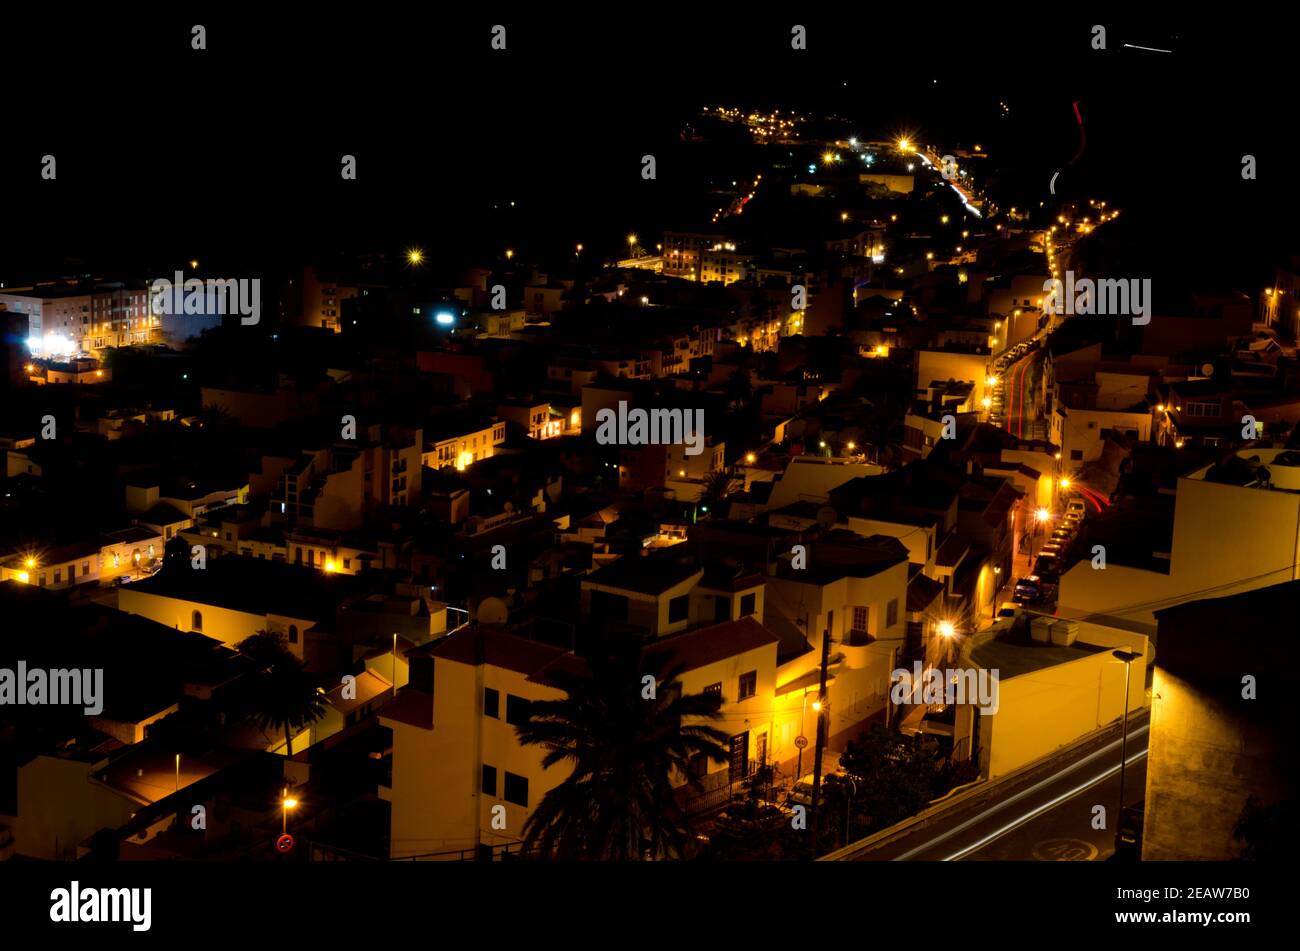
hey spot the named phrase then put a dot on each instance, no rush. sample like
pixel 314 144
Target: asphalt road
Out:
pixel 1045 813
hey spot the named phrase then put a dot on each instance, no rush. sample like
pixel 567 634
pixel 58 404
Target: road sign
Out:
pixel 284 843
pixel 801 742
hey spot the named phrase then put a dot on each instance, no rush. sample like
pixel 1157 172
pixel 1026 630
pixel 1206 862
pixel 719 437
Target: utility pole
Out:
pixel 821 731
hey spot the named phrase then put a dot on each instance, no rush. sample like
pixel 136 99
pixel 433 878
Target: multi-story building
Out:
pixel 1236 527
pixel 335 487
pixel 535 417
pixel 683 252
pixel 67 319
pixel 322 299
pixel 461 441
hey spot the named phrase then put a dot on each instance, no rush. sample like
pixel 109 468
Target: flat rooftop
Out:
pixel 1012 655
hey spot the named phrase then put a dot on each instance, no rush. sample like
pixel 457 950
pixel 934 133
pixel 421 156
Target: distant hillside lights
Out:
pixel 658 427
pixel 1086 297
pixel 196 298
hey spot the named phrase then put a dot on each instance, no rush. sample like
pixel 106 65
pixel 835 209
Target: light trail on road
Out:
pixel 1002 804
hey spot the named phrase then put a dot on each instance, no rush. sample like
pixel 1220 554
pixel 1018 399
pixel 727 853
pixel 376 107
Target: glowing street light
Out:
pixel 1043 514
pixel 1065 483
pixel 288 803
pixel 947 629
pixel 414 257
pixel 631 242
pixel 509 254
pixel 750 458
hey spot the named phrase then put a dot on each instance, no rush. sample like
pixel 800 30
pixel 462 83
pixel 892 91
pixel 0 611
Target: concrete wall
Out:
pixel 1041 711
pixel 1206 757
pixel 59 806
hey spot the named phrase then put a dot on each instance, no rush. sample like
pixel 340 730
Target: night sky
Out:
pixel 232 154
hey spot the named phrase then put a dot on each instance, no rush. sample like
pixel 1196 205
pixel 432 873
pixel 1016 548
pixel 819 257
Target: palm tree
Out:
pixel 283 696
pixel 716 484
pixel 625 749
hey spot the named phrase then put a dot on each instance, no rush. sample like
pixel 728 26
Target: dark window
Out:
pixel 713 690
pixel 491 703
pixel 748 685
pixel 891 613
pixel 196 621
pixel 1076 455
pixel 516 790
pixel 748 603
pixel 698 765
pixel 490 779
pixel 516 710
pixel 679 609
pixel 293 633
pixel 721 608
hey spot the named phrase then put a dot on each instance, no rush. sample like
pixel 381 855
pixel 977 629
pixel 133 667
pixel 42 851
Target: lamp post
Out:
pixel 286 803
pixel 848 811
pixel 1127 657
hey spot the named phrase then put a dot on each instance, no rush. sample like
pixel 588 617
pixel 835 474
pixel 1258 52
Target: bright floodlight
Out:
pixel 445 317
pixel 947 629
pixel 1043 515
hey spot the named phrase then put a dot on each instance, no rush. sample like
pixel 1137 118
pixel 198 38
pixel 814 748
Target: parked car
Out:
pixel 1047 567
pixel 1027 591
pixel 1034 589
pixel 1075 506
pixel 122 579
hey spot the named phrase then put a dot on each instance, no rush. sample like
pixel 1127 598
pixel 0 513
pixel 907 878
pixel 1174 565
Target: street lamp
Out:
pixel 848 810
pixel 1127 657
pixel 287 803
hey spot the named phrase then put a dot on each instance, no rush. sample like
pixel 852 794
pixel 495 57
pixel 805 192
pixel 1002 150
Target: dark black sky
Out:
pixel 232 154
